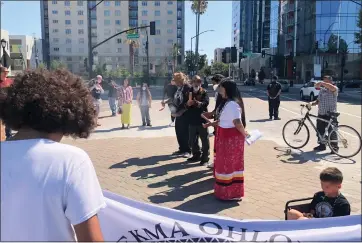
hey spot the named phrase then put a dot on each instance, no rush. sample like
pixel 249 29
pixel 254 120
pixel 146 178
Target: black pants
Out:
pixel 182 133
pixel 321 127
pixel 274 107
pixel 196 131
pixel 172 119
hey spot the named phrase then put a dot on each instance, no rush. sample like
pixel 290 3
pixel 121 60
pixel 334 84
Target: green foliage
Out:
pixel 42 66
pixel 55 64
pixel 195 6
pixel 190 61
pixel 221 68
pixel 138 74
pixel 332 44
pixel 358 35
pixel 205 71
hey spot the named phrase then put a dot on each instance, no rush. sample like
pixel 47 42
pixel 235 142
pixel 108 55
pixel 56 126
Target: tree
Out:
pixel 358 35
pixel 42 66
pixel 189 61
pixel 195 5
pixel 55 64
pixel 206 71
pixel 333 44
pixel 138 74
pixel 220 68
pixel 175 54
pixel 202 61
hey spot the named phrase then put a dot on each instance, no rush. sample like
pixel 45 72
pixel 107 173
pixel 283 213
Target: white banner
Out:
pixel 127 220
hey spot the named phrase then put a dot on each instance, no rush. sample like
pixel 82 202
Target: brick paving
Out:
pixel 143 169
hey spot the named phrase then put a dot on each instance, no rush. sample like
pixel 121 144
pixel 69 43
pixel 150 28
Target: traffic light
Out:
pixel 223 56
pixel 316 45
pixel 233 55
pixel 263 53
pixel 294 69
pixel 86 63
pixel 152 28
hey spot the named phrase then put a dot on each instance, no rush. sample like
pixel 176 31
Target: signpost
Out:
pixel 133 36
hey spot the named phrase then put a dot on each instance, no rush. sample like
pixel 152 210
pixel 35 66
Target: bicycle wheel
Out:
pixel 345 141
pixel 295 134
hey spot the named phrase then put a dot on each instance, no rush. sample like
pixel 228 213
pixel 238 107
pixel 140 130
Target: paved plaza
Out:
pixel 137 163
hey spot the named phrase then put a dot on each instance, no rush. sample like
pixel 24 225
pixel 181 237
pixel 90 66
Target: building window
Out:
pixel 117 13
pixel 157 3
pixel 80 12
pixel 119 41
pixel 54 2
pixel 55 12
pixel 107 13
pixel 67 12
pixel 55 21
pixel 144 22
pixel 68 50
pixel 169 31
pixel 67 22
pixel 169 22
pixel 157 41
pixel 81 41
pixel 144 13
pixel 56 40
pixel 55 30
pixel 158 32
pixel 118 22
pixel 80 3
pixel 68 41
pixel 107 3
pixel 169 41
pixel 107 22
pixel 158 51
pixel 66 3
pixel 169 12
pixel 144 3
pixel 169 2
pixel 80 22
pixel 107 31
pixel 119 50
pixel 56 48
pixel 157 13
pixel 80 31
pixel 158 22
pixel 69 59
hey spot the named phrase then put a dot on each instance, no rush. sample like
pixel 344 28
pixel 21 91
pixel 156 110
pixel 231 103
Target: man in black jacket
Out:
pixel 112 97
pixel 197 104
pixel 169 91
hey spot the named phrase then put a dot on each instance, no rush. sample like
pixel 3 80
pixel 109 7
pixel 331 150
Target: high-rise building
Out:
pixel 218 54
pixel 325 29
pixel 65 32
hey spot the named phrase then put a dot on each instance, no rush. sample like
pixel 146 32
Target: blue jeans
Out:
pixel 113 105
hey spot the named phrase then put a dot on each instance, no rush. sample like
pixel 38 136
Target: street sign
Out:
pixel 133 36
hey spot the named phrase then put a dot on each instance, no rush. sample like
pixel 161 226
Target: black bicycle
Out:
pixel 343 140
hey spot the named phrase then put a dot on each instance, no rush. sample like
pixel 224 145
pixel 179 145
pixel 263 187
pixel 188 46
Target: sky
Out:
pixel 23 18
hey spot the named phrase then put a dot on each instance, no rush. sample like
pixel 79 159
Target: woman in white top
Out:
pixel 229 144
pixel 49 190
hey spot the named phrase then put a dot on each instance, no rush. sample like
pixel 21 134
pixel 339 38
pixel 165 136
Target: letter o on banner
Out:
pixel 273 238
pixel 219 228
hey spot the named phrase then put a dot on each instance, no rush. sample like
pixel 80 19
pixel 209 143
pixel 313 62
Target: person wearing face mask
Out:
pixel 197 104
pixel 144 100
pixel 273 90
pixel 96 90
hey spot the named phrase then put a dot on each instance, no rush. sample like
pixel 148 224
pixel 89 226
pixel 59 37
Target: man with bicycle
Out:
pixel 327 102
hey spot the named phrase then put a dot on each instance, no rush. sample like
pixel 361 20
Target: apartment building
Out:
pixel 65 32
pixel 218 54
pixel 5 56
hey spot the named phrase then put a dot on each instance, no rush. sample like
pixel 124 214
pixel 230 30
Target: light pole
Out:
pixel 196 50
pixel 3 45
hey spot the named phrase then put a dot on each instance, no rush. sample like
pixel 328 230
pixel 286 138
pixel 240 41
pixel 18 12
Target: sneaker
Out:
pixel 277 118
pixel 210 165
pixel 320 147
pixel 270 118
pixel 204 160
pixel 172 124
pixel 186 155
pixel 143 124
pixel 149 125
pixel 194 158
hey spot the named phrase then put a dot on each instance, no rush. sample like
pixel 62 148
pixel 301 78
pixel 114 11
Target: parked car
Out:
pixel 249 81
pixel 308 90
pixel 285 85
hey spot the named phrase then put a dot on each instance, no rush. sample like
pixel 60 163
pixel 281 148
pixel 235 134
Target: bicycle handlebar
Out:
pixel 304 106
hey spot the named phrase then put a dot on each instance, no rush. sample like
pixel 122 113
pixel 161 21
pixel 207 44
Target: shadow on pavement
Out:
pixel 162 170
pixel 183 192
pixel 141 161
pixel 108 130
pixel 153 128
pixel 206 204
pixel 261 120
pixel 103 117
pixel 297 156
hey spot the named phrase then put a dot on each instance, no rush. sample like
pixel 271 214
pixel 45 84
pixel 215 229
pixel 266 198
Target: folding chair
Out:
pixel 298 205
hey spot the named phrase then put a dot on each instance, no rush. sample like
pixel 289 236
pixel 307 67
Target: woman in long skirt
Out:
pixel 231 134
pixel 125 101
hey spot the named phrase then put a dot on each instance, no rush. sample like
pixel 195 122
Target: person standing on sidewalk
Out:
pixel 97 90
pixel 112 97
pixel 144 100
pixel 170 91
pixel 273 90
pixel 125 103
pixel 327 102
pixel 197 103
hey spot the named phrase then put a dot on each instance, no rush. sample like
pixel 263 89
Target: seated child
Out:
pixel 327 203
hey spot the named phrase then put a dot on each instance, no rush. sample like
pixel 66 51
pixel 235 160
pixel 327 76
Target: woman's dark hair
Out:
pixel 232 92
pixel 50 102
pixel 217 78
pixel 148 93
pixel 125 81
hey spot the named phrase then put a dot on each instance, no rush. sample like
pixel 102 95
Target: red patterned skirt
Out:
pixel 229 164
